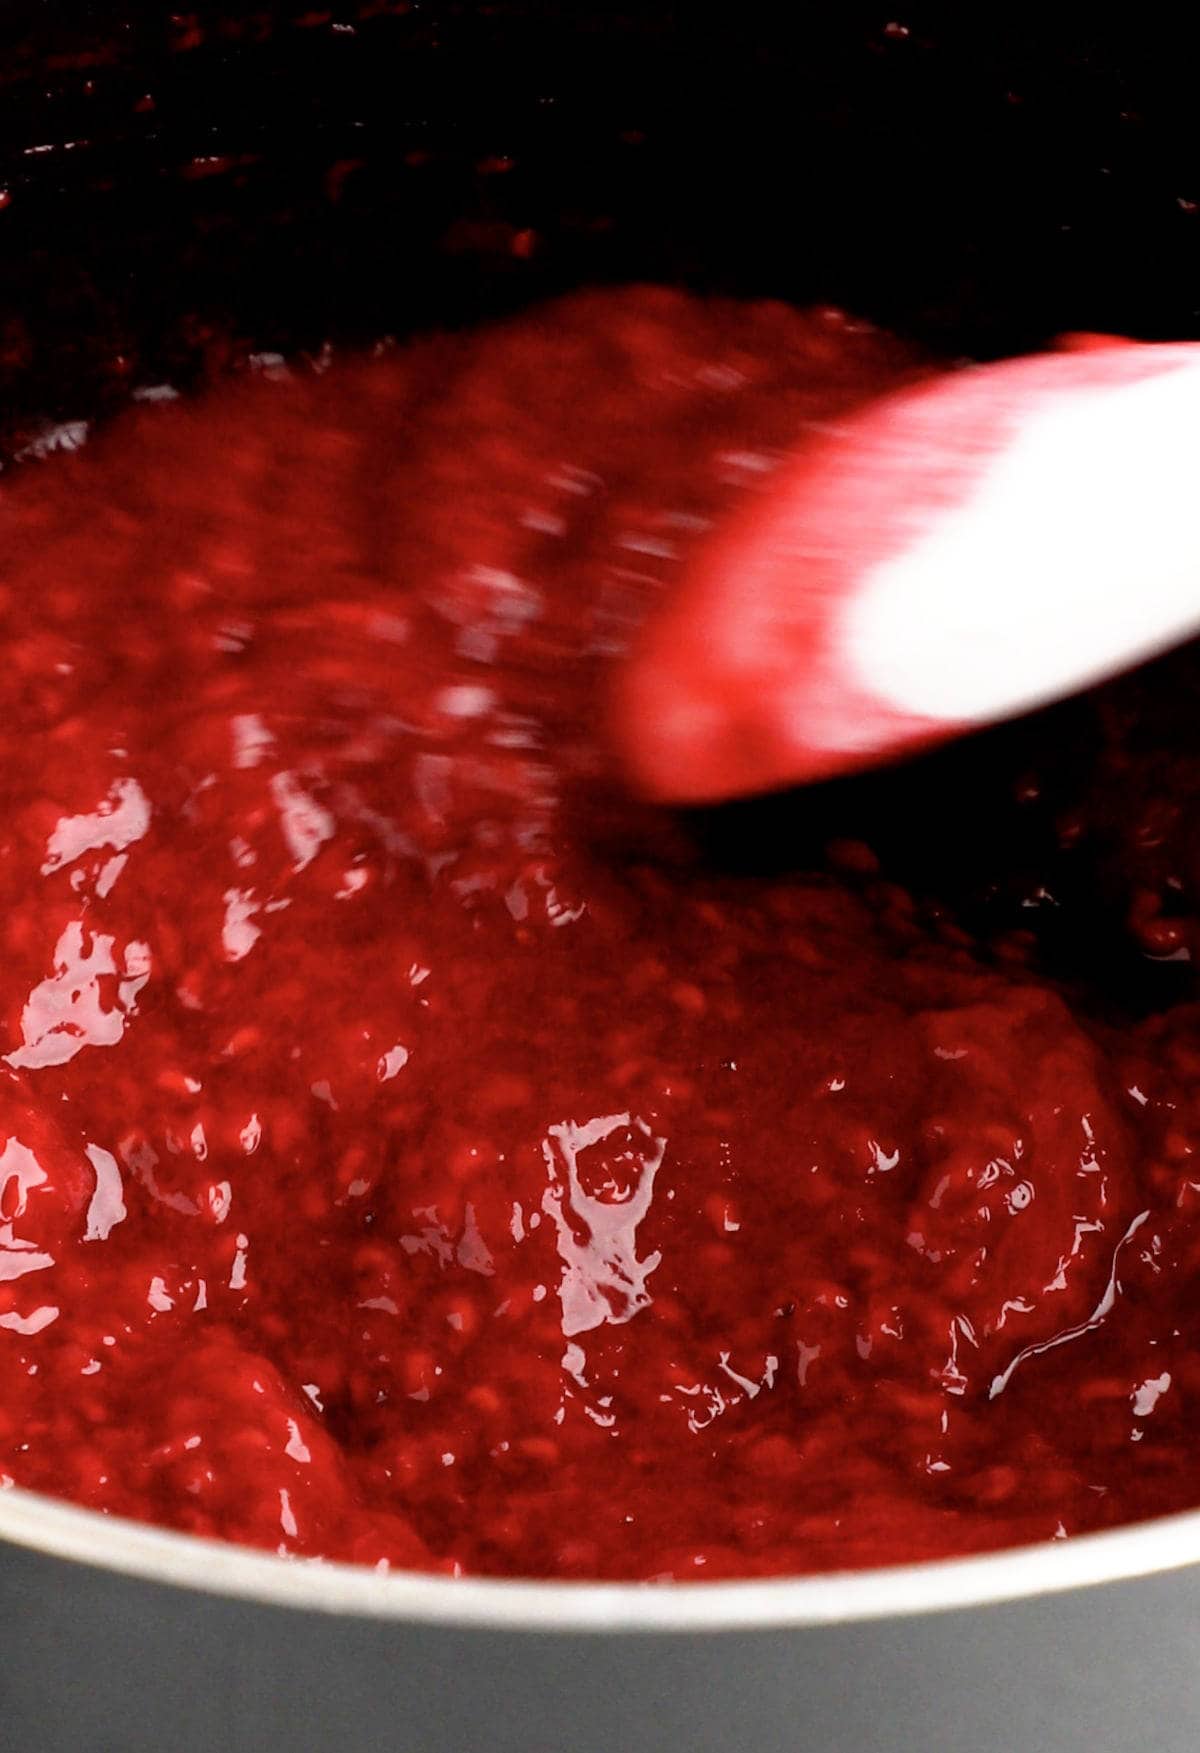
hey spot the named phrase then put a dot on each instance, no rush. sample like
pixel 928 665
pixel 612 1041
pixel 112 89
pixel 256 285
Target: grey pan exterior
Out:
pixel 122 1639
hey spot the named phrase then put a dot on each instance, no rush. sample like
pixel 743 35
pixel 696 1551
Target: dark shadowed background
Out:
pixel 183 187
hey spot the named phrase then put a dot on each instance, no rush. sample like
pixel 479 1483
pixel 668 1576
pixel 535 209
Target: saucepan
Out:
pixel 185 192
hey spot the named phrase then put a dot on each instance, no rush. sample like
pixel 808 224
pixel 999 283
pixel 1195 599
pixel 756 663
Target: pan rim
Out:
pixel 140 1551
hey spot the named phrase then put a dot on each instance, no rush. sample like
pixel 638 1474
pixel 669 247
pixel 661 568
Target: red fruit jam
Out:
pixel 415 1151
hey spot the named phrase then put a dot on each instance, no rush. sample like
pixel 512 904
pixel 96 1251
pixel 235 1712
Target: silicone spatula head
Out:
pixel 956 553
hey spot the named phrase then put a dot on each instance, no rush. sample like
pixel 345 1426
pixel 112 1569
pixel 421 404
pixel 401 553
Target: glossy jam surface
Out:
pixel 414 1151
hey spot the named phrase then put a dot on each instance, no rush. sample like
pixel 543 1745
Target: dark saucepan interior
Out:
pixel 182 187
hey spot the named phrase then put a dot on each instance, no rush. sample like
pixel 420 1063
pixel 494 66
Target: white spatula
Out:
pixel 968 548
